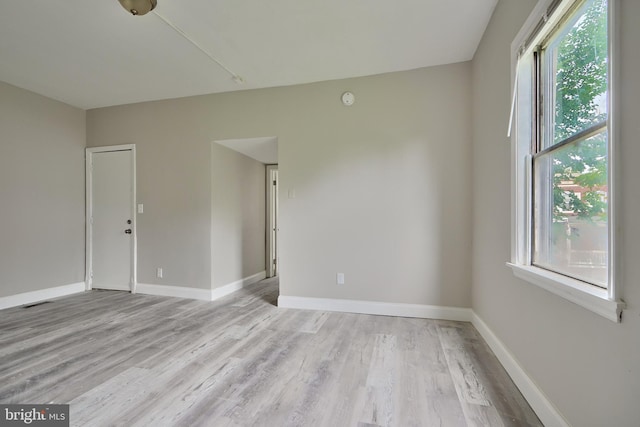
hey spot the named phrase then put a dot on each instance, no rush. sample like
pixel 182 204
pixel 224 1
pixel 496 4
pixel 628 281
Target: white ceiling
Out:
pixel 92 53
pixel 264 150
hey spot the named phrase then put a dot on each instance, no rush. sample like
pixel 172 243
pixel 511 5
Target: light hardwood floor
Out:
pixel 124 360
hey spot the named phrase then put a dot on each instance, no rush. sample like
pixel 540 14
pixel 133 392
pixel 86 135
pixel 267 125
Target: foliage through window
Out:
pixel 570 146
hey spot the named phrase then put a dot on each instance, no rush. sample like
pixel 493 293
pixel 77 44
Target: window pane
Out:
pixel 570 214
pixel 578 57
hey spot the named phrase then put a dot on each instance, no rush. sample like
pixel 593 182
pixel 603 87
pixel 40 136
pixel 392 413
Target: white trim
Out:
pixel 271 220
pixel 88 235
pixel 588 296
pixel 540 403
pixel 225 290
pixel 40 295
pixel 134 223
pixel 174 291
pixel 89 213
pixel 614 177
pixel 199 293
pixel 375 307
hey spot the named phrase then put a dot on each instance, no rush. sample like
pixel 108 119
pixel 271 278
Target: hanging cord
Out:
pixel 515 95
pixel 236 78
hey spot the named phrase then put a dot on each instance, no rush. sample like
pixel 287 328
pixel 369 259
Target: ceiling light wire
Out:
pixel 236 78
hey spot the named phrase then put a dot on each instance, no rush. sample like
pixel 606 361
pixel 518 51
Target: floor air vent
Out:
pixel 36 304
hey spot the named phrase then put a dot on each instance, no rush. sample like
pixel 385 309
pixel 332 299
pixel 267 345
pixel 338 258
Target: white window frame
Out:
pixel 605 302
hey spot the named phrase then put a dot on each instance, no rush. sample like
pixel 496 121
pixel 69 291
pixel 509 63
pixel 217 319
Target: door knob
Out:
pixel 128 231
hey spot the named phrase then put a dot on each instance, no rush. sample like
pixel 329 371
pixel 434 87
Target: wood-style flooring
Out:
pixel 138 360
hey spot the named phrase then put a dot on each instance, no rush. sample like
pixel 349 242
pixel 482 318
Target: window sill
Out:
pixel 590 297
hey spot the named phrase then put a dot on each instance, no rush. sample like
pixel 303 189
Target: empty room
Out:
pixel 339 213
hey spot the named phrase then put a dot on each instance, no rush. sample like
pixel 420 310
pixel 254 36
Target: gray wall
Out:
pixel 382 193
pixel 41 192
pixel 173 160
pixel 382 188
pixel 587 365
pixel 238 216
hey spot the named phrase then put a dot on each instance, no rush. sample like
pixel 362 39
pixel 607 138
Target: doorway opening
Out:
pixel 265 151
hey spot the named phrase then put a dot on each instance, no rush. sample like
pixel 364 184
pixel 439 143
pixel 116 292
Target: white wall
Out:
pixel 237 216
pixel 41 192
pixel 382 187
pixel 587 365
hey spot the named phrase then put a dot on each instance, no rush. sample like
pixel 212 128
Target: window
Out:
pixel 563 181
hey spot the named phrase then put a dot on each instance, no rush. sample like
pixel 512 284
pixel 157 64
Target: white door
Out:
pixel 112 222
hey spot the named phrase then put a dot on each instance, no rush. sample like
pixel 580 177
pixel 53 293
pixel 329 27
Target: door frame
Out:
pixel 89 152
pixel 271 196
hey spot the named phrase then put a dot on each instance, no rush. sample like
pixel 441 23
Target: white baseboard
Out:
pixel 198 293
pixel 375 307
pixel 225 290
pixel 174 291
pixel 41 295
pixel 542 406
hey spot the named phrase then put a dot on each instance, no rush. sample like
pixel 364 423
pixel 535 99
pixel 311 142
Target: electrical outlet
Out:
pixel 159 272
pixel 340 278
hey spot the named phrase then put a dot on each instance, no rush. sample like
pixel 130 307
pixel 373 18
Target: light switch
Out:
pixel 140 208
pixel 292 193
pixel 340 278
